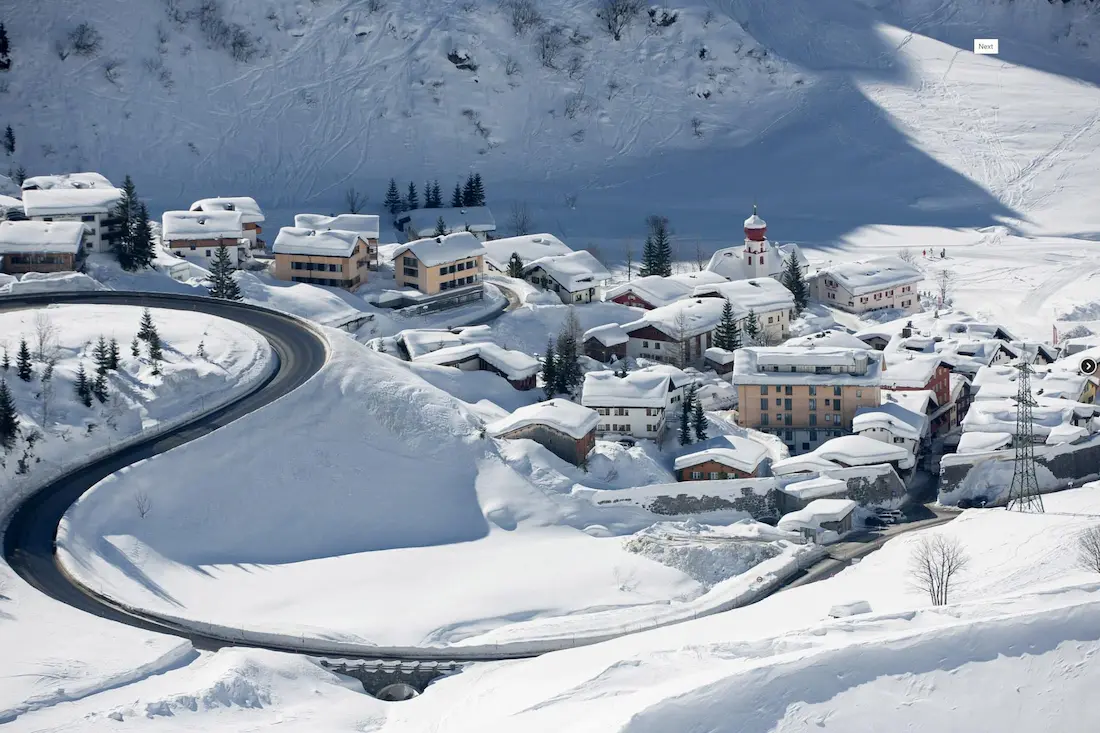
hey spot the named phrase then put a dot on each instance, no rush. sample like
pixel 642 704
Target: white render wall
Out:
pixel 830 292
pixel 204 256
pixel 885 436
pixel 94 240
pixel 644 423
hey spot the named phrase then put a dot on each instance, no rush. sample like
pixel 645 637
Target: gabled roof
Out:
pixel 762 294
pixel 892 417
pixel 734 451
pixel 636 389
pixel 60 201
pixel 423 221
pixel 514 365
pixel 192 225
pixel 816 488
pixel 609 334
pixel 419 341
pixel 869 276
pixel 435 251
pixel 909 370
pixel 43 237
pixel 831 337
pixel 574 271
pixel 366 225
pixel 529 247
pixel 67 180
pixel 246 205
pixel 327 243
pixel 859 450
pixel 564 416
pixel 817 512
pixel 658 291
pixel 700 315
pixel 719 356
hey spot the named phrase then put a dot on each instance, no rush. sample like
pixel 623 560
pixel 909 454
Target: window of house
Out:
pixel 828 403
pixel 450 270
pixel 805 446
pixel 696 475
pixel 88 217
pixel 207 253
pixel 763 403
pixel 836 391
pixel 442 270
pixel 410 262
pixel 656 345
pixel 645 344
pixel 778 401
pixel 461 266
pixel 763 389
pixel 899 440
pixel 836 418
pixel 769 319
pixel 761 259
pixel 813 404
pixel 859 393
pixel 829 417
pixel 787 404
pixel 764 418
pixel 813 390
pixel 813 419
pixel 788 390
pixel 620 411
pixel 578 298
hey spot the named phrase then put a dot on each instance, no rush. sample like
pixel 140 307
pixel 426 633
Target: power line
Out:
pixel 1023 495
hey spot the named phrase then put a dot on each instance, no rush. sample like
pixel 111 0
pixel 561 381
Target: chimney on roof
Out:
pixel 907 331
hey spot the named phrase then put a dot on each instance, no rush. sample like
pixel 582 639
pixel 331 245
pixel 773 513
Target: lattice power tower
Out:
pixel 1023 496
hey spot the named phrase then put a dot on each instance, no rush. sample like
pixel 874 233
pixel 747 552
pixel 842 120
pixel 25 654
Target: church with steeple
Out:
pixel 758 257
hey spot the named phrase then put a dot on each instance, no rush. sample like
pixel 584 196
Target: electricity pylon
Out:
pixel 1023 495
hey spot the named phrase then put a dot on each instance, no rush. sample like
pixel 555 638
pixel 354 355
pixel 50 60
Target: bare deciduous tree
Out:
pixel 572 324
pixel 45 338
pixel 520 219
pixel 523 14
pixel 696 127
pixel 680 325
pixel 354 200
pixel 629 263
pixel 935 564
pixel 616 15
pixel 700 258
pixel 143 503
pixel 1088 549
pixel 574 69
pixel 613 89
pixel 85 40
pixel 548 45
pixel 906 255
pixel 945 281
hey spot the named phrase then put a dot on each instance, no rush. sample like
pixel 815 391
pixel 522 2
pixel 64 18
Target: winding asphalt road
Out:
pixel 29 535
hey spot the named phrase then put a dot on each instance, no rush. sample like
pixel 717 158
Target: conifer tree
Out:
pixel 478 191
pixel 147 327
pixel 9 418
pixel 392 201
pixel 515 266
pixel 728 334
pixel 568 365
pixel 649 261
pixel 125 212
pixel 222 284
pixel 698 417
pixel 135 348
pixel 752 327
pixel 5 360
pixel 5 49
pixel 468 191
pixel 662 245
pixel 456 197
pixel 82 387
pixel 102 356
pixel 686 408
pixel 155 352
pixel 549 370
pixel 440 227
pixel 116 355
pixel 437 195
pixel 23 362
pixel 796 283
pixel 142 248
pixel 9 140
pixel 99 387
pixel 412 199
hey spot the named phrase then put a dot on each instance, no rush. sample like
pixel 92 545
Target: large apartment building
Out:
pixel 439 264
pixel 334 258
pixel 805 395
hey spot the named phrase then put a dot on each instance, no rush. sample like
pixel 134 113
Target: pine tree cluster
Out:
pixel 657 249
pixel 472 193
pixel 728 334
pixel 9 140
pixel 794 281
pixel 9 418
pixel 561 364
pixel 692 418
pixel 134 246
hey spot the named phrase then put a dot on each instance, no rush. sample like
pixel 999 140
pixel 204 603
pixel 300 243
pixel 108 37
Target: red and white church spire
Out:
pixel 757 255
pixel 756 229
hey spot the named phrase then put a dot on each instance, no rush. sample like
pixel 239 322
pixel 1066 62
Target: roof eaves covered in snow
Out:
pixel 609 334
pixel 529 247
pixel 733 451
pixel 457 220
pixel 870 276
pixel 250 211
pixel 567 417
pixel 435 251
pixel 41 237
pixel 366 225
pixel 62 201
pixel 636 389
pixel 762 294
pixel 67 180
pixel 574 271
pixel 198 225
pixel 818 365
pixel 311 242
pixel 515 365
pixel 700 315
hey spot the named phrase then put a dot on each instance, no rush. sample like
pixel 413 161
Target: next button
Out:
pixel 986 46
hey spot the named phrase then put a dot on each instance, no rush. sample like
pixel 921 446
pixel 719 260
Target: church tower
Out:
pixel 757 255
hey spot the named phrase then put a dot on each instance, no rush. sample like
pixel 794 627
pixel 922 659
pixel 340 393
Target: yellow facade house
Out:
pixel 439 264
pixel 333 257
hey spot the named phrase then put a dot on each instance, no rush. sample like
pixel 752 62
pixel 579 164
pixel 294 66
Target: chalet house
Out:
pixel 577 277
pixel 529 247
pixel 564 428
pixel 40 246
pixel 804 396
pixel 633 406
pixel 767 299
pixel 654 291
pixel 849 451
pixel 518 368
pixel 365 225
pixel 721 458
pixel 332 257
pixel 907 371
pixel 196 235
pixel 90 206
pixel 605 343
pixel 440 264
pixel 758 257
pixel 821 521
pixel 252 216
pixel 414 342
pixel 799 494
pixel 860 287
pixel 718 360
pixel 676 334
pixel 423 223
pixel 893 423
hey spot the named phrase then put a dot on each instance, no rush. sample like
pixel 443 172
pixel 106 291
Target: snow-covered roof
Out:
pixel 983 442
pixel 869 276
pixel 892 417
pixel 680 377
pixel 859 450
pixel 636 389
pixel 192 225
pixel 1066 434
pixel 805 463
pixel 831 337
pixel 251 213
pixel 816 513
pixel 513 364
pixel 816 488
pixel 61 201
pixel 729 261
pixel 324 243
pixel 909 370
pixel 700 315
pixel 67 180
pixel 719 356
pixel 564 416
pixel 366 225
pixel 529 247
pixel 658 291
pixel 609 334
pixel 420 341
pixel 574 271
pixel 999 415
pixel 762 294
pixel 734 451
pixel 1000 381
pixel 8 203
pixel 915 400
pixel 786 365
pixel 45 237
pixel 435 251
pixel 423 221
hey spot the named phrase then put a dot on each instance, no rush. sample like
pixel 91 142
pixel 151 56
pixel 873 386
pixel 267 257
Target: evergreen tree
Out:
pixel 456 197
pixel 661 245
pixel 5 49
pixel 568 366
pixel 147 327
pixel 468 191
pixel 392 201
pixel 478 191
pixel 102 356
pixel 428 195
pixel 752 327
pixel 440 227
pixel 125 213
pixel 686 408
pixel 23 362
pixel 116 355
pixel 9 140
pixel 649 262
pixel 155 353
pixel 412 199
pixel 99 387
pixel 82 387
pixel 793 281
pixel 142 248
pixel 222 284
pixel 9 418
pixel 728 334
pixel 698 417
pixel 135 348
pixel 549 370
pixel 515 266
pixel 437 195
pixel 5 360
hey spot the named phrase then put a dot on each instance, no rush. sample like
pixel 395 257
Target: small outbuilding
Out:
pixel 518 368
pixel 564 428
pixel 606 343
pixel 821 521
pixel 721 458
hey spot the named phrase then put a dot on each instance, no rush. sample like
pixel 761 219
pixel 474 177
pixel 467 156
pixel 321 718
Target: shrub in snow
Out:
pixel 1088 549
pixel 524 15
pixel 617 15
pixel 548 46
pixel 662 18
pixel 84 40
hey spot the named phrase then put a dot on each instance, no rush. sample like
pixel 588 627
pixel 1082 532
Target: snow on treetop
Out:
pixel 251 213
pixel 326 243
pixel 787 365
pixel 434 251
pixel 574 271
pixel 529 247
pixel 60 201
pixel 636 389
pixel 762 294
pixel 868 276
pixel 67 180
pixel 658 291
pixel 366 225
pixel 816 488
pixel 564 416
pixel 733 451
pixel 514 364
pixel 893 417
pixel 609 334
pixel 41 236
pixel 681 319
pixel 457 220
pixel 185 225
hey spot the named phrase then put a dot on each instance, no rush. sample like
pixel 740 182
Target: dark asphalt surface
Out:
pixel 29 535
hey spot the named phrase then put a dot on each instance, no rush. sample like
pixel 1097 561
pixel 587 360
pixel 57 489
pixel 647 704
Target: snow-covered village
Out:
pixel 549 365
